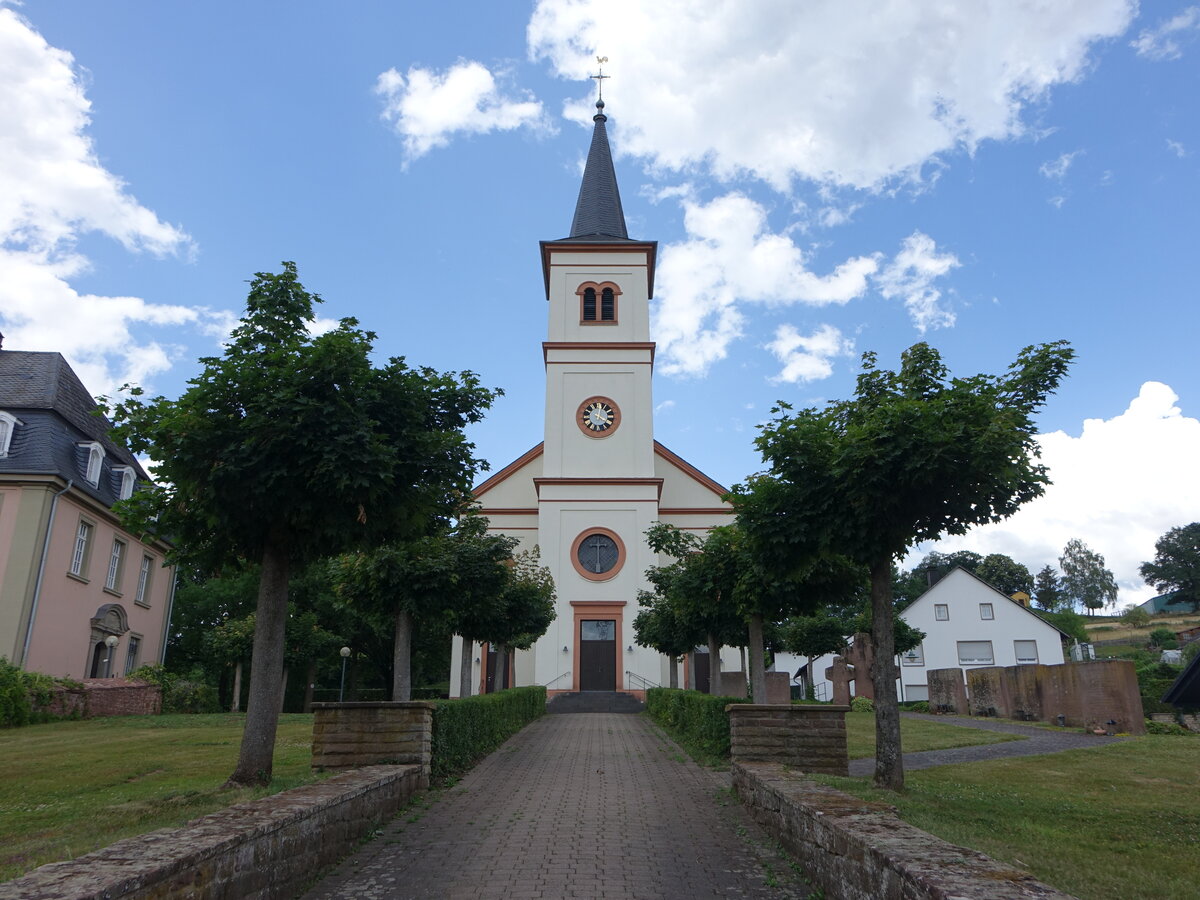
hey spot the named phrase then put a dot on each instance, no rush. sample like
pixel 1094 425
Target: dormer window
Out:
pixel 128 480
pixel 8 424
pixel 95 458
pixel 598 303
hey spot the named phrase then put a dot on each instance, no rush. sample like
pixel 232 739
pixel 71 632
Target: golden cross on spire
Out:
pixel 600 61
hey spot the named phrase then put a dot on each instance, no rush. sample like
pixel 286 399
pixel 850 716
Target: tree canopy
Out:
pixel 289 447
pixel 1085 579
pixel 1176 565
pixel 914 456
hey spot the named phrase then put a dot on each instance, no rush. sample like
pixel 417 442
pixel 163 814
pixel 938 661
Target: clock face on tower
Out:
pixel 598 417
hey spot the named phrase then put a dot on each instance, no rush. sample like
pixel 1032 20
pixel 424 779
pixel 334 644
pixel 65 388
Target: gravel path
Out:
pixel 1036 741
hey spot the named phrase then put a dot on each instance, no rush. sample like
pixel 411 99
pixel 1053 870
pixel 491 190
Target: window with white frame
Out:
pixel 941 612
pixel 116 559
pixel 986 612
pixel 975 653
pixel 8 424
pixel 83 542
pixel 95 459
pixel 913 657
pixel 128 479
pixel 142 597
pixel 1026 652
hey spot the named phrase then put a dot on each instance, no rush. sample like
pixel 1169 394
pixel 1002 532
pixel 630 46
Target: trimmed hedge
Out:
pixel 467 729
pixel 693 716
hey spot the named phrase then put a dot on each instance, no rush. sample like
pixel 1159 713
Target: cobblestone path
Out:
pixel 576 805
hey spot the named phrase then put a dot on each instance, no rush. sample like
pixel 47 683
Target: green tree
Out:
pixel 660 626
pixel 916 455
pixel 811 637
pixel 1085 580
pixel 290 447
pixel 1005 574
pixel 1047 590
pixel 1176 565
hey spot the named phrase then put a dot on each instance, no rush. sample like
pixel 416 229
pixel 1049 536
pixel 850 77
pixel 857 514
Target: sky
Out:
pixel 824 179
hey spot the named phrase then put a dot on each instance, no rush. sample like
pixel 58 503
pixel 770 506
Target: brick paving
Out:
pixel 576 805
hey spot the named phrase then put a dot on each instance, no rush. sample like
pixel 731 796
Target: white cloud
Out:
pixel 1163 42
pixel 428 108
pixel 1057 168
pixel 808 358
pixel 843 92
pixel 53 188
pixel 730 258
pixel 1177 148
pixel 910 276
pixel 1118 486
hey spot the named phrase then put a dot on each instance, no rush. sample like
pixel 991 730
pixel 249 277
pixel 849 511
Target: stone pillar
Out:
pixel 350 735
pixel 860 654
pixel 733 684
pixel 779 687
pixel 811 738
pixel 989 691
pixel 840 674
pixel 947 691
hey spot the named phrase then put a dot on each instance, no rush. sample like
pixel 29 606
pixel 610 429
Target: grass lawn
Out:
pixel 915 735
pixel 1121 820
pixel 73 787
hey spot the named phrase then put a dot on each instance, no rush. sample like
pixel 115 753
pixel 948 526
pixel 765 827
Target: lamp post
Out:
pixel 111 643
pixel 345 651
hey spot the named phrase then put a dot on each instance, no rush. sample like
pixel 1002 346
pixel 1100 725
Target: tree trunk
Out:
pixel 810 680
pixel 758 670
pixel 266 669
pixel 742 653
pixel 236 705
pixel 714 666
pixel 500 681
pixel 466 669
pixel 283 688
pixel 402 657
pixel 309 684
pixel 889 764
pixel 673 670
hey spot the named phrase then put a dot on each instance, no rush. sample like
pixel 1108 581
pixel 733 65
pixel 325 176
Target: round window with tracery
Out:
pixel 598 554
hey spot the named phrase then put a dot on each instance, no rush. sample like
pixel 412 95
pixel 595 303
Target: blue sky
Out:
pixel 823 178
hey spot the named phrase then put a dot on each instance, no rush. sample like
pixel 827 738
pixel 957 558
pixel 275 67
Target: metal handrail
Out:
pixel 646 682
pixel 555 678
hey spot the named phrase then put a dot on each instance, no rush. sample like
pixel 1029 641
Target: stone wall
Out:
pixel 1089 694
pixel 348 735
pixel 265 849
pixel 97 697
pixel 855 850
pixel 808 738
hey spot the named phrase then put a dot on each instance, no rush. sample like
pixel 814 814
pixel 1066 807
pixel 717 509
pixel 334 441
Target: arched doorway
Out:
pixel 110 619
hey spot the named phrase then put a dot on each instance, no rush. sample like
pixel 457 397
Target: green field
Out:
pixel 73 787
pixel 1121 820
pixel 915 735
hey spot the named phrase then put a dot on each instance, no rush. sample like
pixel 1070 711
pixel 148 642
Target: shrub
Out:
pixel 1175 728
pixel 181 694
pixel 1154 679
pixel 1161 637
pixel 863 704
pixel 696 718
pixel 918 706
pixel 467 729
pixel 14 699
pixel 1135 617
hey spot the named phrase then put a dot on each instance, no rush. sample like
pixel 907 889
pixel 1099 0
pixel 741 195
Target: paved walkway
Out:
pixel 575 805
pixel 1036 741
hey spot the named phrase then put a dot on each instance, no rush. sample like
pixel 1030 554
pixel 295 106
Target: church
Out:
pixel 585 494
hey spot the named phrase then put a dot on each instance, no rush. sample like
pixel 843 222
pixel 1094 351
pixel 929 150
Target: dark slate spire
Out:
pixel 598 211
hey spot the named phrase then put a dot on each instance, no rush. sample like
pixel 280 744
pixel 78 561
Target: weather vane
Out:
pixel 600 61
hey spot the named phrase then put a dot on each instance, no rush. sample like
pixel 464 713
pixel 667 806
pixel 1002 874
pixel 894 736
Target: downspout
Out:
pixel 162 650
pixel 37 585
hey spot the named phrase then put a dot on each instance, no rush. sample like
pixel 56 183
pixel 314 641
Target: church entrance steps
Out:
pixel 594 702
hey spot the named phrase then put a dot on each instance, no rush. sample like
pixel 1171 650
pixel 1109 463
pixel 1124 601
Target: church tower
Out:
pixel 586 495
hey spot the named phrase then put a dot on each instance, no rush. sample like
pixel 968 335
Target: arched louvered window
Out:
pixel 598 303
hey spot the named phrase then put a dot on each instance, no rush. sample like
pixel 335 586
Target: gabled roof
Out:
pixel 598 213
pixel 993 589
pixel 659 450
pixel 57 414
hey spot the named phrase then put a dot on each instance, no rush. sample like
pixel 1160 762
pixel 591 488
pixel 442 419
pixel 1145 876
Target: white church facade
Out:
pixel 585 495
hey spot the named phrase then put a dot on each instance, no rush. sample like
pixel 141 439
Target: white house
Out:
pixel 967 624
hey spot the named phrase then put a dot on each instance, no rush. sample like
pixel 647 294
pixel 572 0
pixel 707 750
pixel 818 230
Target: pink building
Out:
pixel 79 595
